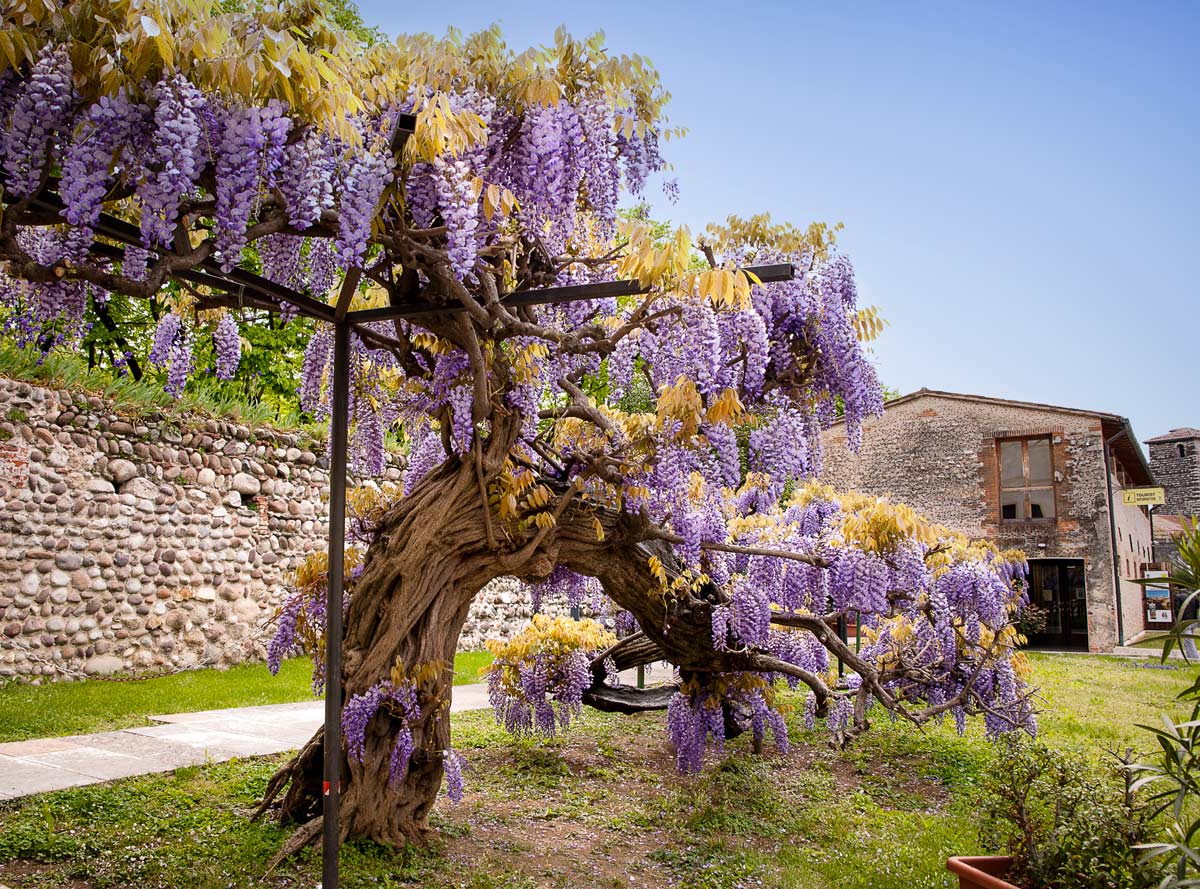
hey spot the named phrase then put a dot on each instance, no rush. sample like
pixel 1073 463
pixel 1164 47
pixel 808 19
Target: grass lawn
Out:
pixel 75 708
pixel 601 806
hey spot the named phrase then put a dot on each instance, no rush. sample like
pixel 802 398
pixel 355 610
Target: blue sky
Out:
pixel 1019 183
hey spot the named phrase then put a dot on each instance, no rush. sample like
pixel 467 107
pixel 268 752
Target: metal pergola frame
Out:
pixel 246 289
pixel 344 322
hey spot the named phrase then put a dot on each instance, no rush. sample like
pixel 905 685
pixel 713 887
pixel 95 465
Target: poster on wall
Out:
pixel 1159 608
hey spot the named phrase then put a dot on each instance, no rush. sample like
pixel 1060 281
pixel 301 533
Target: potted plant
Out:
pixel 1063 820
pixel 1032 620
pixel 981 871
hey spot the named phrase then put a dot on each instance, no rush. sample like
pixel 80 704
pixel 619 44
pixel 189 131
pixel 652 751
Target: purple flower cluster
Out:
pixel 452 766
pixel 690 723
pixel 228 345
pixel 460 209
pixel 366 175
pixel 576 589
pixel 548 695
pixel 401 703
pixel 425 455
pixel 174 160
pixel 87 165
pixel 172 351
pixel 135 263
pixel 42 107
pixel 322 268
pixel 248 154
pixel 44 315
pixel 357 713
pixel 281 262
pixel 401 756
pixel 317 355
pixel 306 179
pixel 284 642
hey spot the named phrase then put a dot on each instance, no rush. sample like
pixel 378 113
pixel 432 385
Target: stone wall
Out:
pixel 143 545
pixel 938 454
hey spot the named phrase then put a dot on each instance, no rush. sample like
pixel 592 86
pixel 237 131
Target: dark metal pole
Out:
pixel 333 635
pixel 841 631
pixel 1112 528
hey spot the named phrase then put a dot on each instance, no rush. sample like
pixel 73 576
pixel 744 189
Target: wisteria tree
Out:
pixel 654 453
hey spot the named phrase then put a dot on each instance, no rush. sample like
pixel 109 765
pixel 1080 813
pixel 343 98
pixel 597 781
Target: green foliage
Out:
pixel 272 355
pixel 266 379
pixel 1067 823
pixel 208 398
pixel 660 230
pixel 343 13
pixel 1171 776
pixel 1033 620
pixel 1184 574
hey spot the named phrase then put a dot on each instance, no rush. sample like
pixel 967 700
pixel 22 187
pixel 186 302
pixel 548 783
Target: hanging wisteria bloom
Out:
pixel 172 352
pixel 537 679
pixel 228 344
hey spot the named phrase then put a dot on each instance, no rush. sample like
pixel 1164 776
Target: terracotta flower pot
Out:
pixel 981 871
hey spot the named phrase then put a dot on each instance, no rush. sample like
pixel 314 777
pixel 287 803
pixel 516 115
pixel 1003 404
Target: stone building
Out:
pixel 1037 477
pixel 1175 461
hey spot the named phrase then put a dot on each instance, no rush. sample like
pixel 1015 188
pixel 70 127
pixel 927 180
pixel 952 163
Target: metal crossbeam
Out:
pixel 768 274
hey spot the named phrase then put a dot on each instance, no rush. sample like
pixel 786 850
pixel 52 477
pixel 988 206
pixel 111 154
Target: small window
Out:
pixel 1026 480
pixel 1181 449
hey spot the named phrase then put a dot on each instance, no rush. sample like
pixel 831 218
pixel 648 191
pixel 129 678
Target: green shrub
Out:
pixel 1068 822
pixel 1032 620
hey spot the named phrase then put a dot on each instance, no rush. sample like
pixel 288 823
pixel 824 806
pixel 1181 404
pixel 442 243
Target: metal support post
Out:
pixel 841 631
pixel 340 409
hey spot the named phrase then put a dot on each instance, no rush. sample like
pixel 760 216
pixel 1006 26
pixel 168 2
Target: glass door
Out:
pixel 1059 587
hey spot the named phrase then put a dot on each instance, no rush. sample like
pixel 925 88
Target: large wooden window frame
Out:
pixel 1030 495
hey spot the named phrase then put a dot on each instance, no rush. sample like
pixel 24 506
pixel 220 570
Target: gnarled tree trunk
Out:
pixel 431 556
pixel 428 561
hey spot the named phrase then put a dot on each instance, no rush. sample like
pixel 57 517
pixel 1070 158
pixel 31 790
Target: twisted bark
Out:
pixel 431 555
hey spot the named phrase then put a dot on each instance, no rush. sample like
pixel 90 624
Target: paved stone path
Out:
pixel 178 739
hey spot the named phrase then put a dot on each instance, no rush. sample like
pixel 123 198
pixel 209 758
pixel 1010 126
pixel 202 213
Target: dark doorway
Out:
pixel 1059 587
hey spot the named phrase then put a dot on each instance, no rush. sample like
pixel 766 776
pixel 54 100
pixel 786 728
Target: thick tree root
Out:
pixel 304 778
pixel 307 833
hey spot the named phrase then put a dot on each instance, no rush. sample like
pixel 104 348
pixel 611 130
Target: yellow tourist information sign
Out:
pixel 1143 496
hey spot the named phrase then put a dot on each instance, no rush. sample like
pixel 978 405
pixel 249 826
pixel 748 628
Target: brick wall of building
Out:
pixel 939 455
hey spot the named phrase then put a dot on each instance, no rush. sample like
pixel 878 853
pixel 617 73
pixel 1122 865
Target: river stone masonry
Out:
pixel 142 545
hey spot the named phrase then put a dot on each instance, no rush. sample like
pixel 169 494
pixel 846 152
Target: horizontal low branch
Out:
pixel 807 558
pixel 636 650
pixel 624 699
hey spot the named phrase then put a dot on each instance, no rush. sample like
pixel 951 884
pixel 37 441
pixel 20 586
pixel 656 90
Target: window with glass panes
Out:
pixel 1026 480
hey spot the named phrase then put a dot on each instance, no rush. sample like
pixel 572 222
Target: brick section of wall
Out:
pixel 138 546
pixel 1180 475
pixel 939 455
